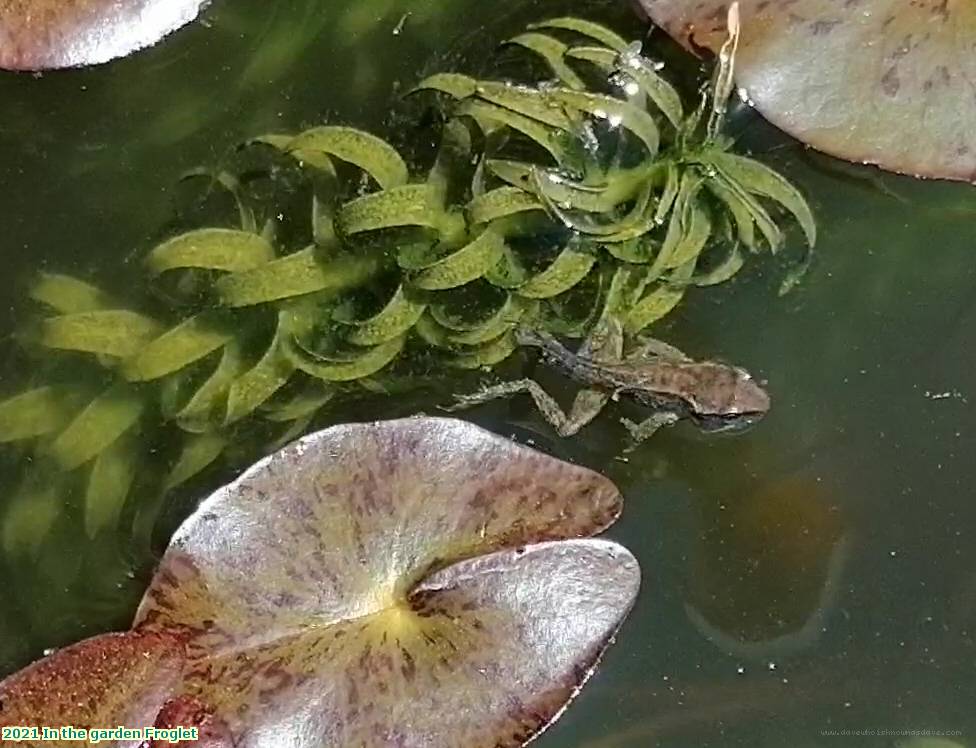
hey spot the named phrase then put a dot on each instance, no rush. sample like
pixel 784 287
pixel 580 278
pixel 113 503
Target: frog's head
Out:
pixel 731 399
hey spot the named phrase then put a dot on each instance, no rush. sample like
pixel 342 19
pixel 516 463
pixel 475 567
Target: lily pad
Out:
pixel 418 582
pixel 877 81
pixel 42 34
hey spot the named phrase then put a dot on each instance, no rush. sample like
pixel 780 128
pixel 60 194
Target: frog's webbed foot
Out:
pixel 641 432
pixel 585 408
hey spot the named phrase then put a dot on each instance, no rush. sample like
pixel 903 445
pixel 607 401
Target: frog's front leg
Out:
pixel 640 432
pixel 587 405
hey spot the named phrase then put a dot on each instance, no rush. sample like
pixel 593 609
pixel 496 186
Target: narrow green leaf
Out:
pixel 302 405
pixel 371 154
pixel 723 271
pixel 529 102
pixel 363 364
pixel 206 408
pixel 189 341
pixel 454 84
pixel 36 412
pixel 486 355
pixel 67 295
pixel 211 249
pixel 309 271
pixel 260 382
pixel 30 515
pixel 96 427
pixel 489 116
pixel 409 205
pixel 499 203
pixel 499 323
pixel 509 272
pixel 605 59
pixel 586 28
pixel 463 266
pixel 110 332
pixel 739 209
pixel 396 318
pixel 663 94
pixel 568 269
pixel 553 52
pixel 109 483
pixel 661 300
pixel 759 179
pixel 615 112
pixel 198 453
pixel 698 227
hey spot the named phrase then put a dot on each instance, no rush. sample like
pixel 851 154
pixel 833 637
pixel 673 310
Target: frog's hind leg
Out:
pixel 587 405
pixel 641 432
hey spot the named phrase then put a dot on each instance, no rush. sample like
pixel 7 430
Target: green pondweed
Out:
pixel 552 204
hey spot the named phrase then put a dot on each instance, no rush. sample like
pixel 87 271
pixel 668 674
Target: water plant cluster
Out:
pixel 592 192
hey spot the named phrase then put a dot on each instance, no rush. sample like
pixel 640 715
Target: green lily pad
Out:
pixel 883 83
pixel 413 582
pixel 42 34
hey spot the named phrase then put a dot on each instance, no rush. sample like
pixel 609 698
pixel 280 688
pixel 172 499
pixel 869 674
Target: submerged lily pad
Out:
pixel 41 34
pixel 418 582
pixel 888 83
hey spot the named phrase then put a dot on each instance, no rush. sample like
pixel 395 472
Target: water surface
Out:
pixel 860 477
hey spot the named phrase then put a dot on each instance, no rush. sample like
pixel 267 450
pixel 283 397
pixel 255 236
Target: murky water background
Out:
pixel 849 509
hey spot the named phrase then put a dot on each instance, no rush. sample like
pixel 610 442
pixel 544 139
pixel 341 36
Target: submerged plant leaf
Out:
pixel 96 427
pixel 252 388
pixel 311 270
pixel 211 249
pixel 371 154
pixel 585 28
pixel 109 482
pixel 569 268
pixel 189 341
pixel 36 412
pixel 404 586
pixel 41 34
pixel 346 368
pixel 199 452
pixel 463 266
pixel 30 513
pixel 854 82
pixel 553 52
pixel 396 318
pixel 616 112
pixel 409 205
pixel 68 295
pixel 111 332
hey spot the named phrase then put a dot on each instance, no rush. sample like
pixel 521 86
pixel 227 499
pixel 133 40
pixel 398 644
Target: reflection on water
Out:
pixel 827 554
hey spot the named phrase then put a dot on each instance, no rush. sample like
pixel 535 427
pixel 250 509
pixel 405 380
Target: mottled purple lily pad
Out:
pixel 43 34
pixel 416 583
pixel 880 81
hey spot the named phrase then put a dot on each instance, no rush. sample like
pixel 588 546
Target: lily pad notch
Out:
pixel 418 582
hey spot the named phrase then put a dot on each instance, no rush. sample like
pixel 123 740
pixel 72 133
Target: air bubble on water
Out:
pixel 615 121
pixel 49 651
pixel 741 670
pixel 631 88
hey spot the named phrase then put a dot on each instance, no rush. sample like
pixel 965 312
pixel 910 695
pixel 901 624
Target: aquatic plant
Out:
pixel 273 620
pixel 869 81
pixel 42 34
pixel 344 272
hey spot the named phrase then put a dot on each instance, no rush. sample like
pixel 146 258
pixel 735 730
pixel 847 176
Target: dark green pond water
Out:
pixel 836 537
